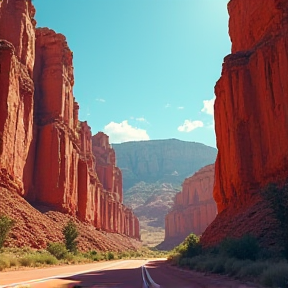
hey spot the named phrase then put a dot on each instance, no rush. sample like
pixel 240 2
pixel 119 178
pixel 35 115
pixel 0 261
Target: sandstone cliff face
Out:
pixel 116 216
pixel 57 156
pixel 251 112
pixel 46 153
pixel 194 207
pixel 17 90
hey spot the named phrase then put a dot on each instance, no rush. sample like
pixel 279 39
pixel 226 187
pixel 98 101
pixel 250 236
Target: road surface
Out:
pixel 114 274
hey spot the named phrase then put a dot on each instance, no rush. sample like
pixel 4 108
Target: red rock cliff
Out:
pixel 16 93
pixel 251 112
pixel 46 153
pixel 116 216
pixel 194 207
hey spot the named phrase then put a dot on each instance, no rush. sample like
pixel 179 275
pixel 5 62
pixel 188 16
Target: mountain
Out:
pixel 153 172
pixel 161 161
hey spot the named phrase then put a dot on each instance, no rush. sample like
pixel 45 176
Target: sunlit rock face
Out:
pixel 113 215
pixel 57 153
pixel 17 53
pixel 46 153
pixel 251 112
pixel 194 207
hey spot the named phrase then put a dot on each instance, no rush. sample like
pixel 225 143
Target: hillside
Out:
pixel 161 161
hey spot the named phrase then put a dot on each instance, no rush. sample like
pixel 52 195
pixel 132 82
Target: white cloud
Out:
pixel 141 119
pixel 189 125
pixel 208 106
pixel 167 105
pixel 100 100
pixel 123 132
pixel 181 107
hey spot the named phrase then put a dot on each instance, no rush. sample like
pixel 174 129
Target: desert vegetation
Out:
pixel 241 258
pixel 58 253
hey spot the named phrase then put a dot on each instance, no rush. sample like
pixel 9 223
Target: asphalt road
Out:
pixel 114 274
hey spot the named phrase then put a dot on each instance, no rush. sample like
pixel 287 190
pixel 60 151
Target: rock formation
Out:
pixel 17 56
pixel 251 112
pixel 194 207
pixel 46 153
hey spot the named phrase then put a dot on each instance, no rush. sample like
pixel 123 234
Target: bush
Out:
pixel 252 270
pixel 275 276
pixel 58 250
pixel 243 248
pixel 5 226
pixel 92 255
pixel 110 256
pixel 38 259
pixel 190 247
pixel 70 233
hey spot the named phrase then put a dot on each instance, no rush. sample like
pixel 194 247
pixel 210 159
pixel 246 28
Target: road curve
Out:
pixel 115 274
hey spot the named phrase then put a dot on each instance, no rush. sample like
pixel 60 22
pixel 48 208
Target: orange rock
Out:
pixel 251 112
pixel 194 207
pixel 17 25
pixel 115 216
pixel 17 55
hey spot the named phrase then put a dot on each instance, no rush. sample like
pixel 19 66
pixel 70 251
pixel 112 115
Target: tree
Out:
pixel 5 226
pixel 70 233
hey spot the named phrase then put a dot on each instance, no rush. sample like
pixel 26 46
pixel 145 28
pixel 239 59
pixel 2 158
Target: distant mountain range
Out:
pixel 164 161
pixel 153 172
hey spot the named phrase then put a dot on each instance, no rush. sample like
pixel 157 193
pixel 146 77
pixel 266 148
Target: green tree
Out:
pixel 5 226
pixel 190 247
pixel 70 233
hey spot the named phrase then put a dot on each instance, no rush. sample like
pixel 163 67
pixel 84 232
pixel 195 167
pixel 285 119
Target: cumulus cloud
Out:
pixel 180 107
pixel 123 132
pixel 208 106
pixel 189 125
pixel 167 105
pixel 100 100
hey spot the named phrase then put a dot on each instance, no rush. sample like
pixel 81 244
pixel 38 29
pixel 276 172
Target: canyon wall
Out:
pixel 194 207
pixel 46 153
pixel 251 116
pixel 17 56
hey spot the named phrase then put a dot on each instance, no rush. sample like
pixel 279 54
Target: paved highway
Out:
pixel 114 274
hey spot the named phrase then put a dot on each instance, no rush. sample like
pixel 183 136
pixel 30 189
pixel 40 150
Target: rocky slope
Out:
pixel 37 227
pixel 163 161
pixel 47 155
pixel 193 210
pixel 251 120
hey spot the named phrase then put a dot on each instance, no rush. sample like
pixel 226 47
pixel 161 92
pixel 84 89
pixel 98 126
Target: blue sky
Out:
pixel 144 69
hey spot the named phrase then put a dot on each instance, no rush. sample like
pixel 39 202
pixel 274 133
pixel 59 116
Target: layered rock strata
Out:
pixel 194 207
pixel 251 112
pixel 46 153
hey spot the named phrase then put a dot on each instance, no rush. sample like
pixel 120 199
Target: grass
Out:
pixel 13 258
pixel 267 273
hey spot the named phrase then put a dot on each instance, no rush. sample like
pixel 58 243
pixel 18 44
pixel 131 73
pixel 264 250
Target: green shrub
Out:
pixel 70 233
pixel 4 263
pixel 275 276
pixel 92 255
pixel 110 256
pixel 38 260
pixel 243 248
pixel 57 249
pixel 190 247
pixel 252 270
pixel 5 226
